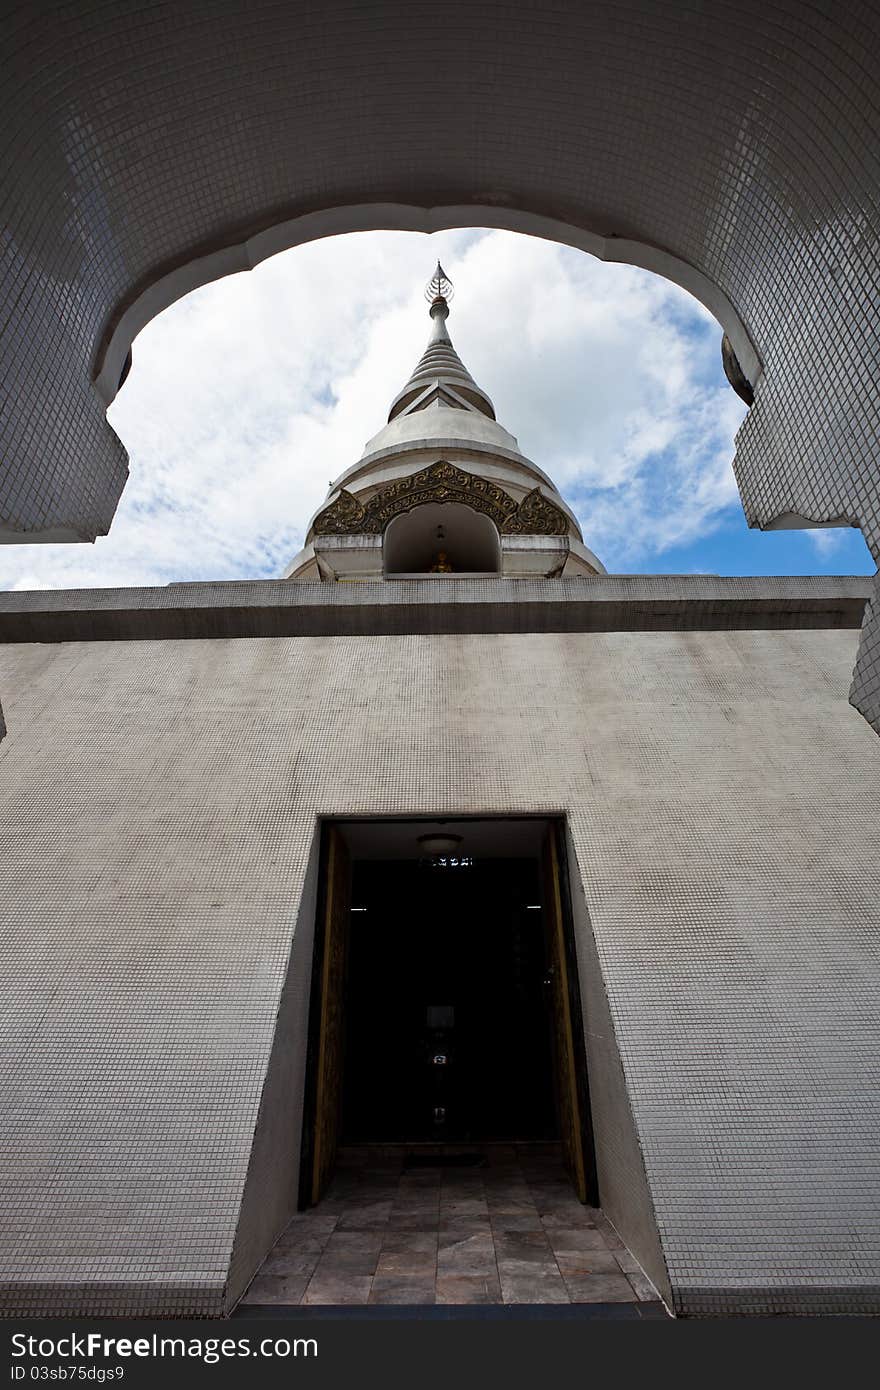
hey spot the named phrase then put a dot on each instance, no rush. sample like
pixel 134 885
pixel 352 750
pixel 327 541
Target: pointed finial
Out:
pixel 438 292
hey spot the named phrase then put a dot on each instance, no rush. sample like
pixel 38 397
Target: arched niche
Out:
pixel 413 541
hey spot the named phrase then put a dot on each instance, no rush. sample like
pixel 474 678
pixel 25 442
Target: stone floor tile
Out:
pixel 311 1223
pixel 567 1216
pixel 412 1221
pixel 532 1246
pixel 577 1262
pixel 453 1232
pixel 466 1254
pixel 550 1195
pixel 599 1288
pixel 511 1230
pixel 421 1242
pixel 364 1216
pixel 575 1238
pixel 468 1288
pixel 277 1289
pixel 461 1210
pixel 282 1262
pixel 415 1205
pixel 466 1239
pixel 515 1221
pixel 338 1288
pixel 398 1288
pixel 295 1243
pixel 345 1262
pixel 361 1241
pixel 523 1281
pixel 459 1226
pixel 510 1202
pixel 407 1262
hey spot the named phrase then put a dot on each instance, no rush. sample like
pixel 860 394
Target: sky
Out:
pixel 249 395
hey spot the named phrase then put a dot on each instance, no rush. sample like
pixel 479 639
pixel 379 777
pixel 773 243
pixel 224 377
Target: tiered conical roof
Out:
pixel 442 460
pixel 440 372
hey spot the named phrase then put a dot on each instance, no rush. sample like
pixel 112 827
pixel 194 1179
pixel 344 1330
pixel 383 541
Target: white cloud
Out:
pixel 249 395
pixel 826 540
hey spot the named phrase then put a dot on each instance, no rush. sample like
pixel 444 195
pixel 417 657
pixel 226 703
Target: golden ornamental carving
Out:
pixel 441 482
pixel 343 517
pixel 537 516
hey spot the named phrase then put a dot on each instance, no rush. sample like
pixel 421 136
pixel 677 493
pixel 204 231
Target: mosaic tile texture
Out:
pixel 737 135
pixel 158 803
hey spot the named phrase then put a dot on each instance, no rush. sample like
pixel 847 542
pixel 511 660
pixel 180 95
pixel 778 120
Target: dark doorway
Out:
pixel 447 1034
pixel 445 1006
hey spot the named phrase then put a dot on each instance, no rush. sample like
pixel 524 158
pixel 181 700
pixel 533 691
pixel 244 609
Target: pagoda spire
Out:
pixel 440 375
pixel 439 287
pixel 438 292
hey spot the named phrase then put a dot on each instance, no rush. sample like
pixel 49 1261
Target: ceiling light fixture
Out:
pixel 438 843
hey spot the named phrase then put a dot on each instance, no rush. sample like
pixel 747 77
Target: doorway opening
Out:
pixel 445 1009
pixel 467 541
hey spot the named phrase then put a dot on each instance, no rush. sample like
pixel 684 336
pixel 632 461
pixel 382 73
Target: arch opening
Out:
pixel 440 534
pixel 112 365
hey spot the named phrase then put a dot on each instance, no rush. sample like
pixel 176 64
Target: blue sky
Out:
pixel 249 395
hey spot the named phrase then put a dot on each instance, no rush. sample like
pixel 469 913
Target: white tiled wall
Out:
pixel 158 803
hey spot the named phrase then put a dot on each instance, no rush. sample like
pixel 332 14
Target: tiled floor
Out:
pixel 509 1231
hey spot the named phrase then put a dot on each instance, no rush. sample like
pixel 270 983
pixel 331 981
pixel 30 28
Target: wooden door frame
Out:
pixel 312 1084
pixel 557 828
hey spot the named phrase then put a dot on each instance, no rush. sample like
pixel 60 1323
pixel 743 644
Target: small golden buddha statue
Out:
pixel 441 565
